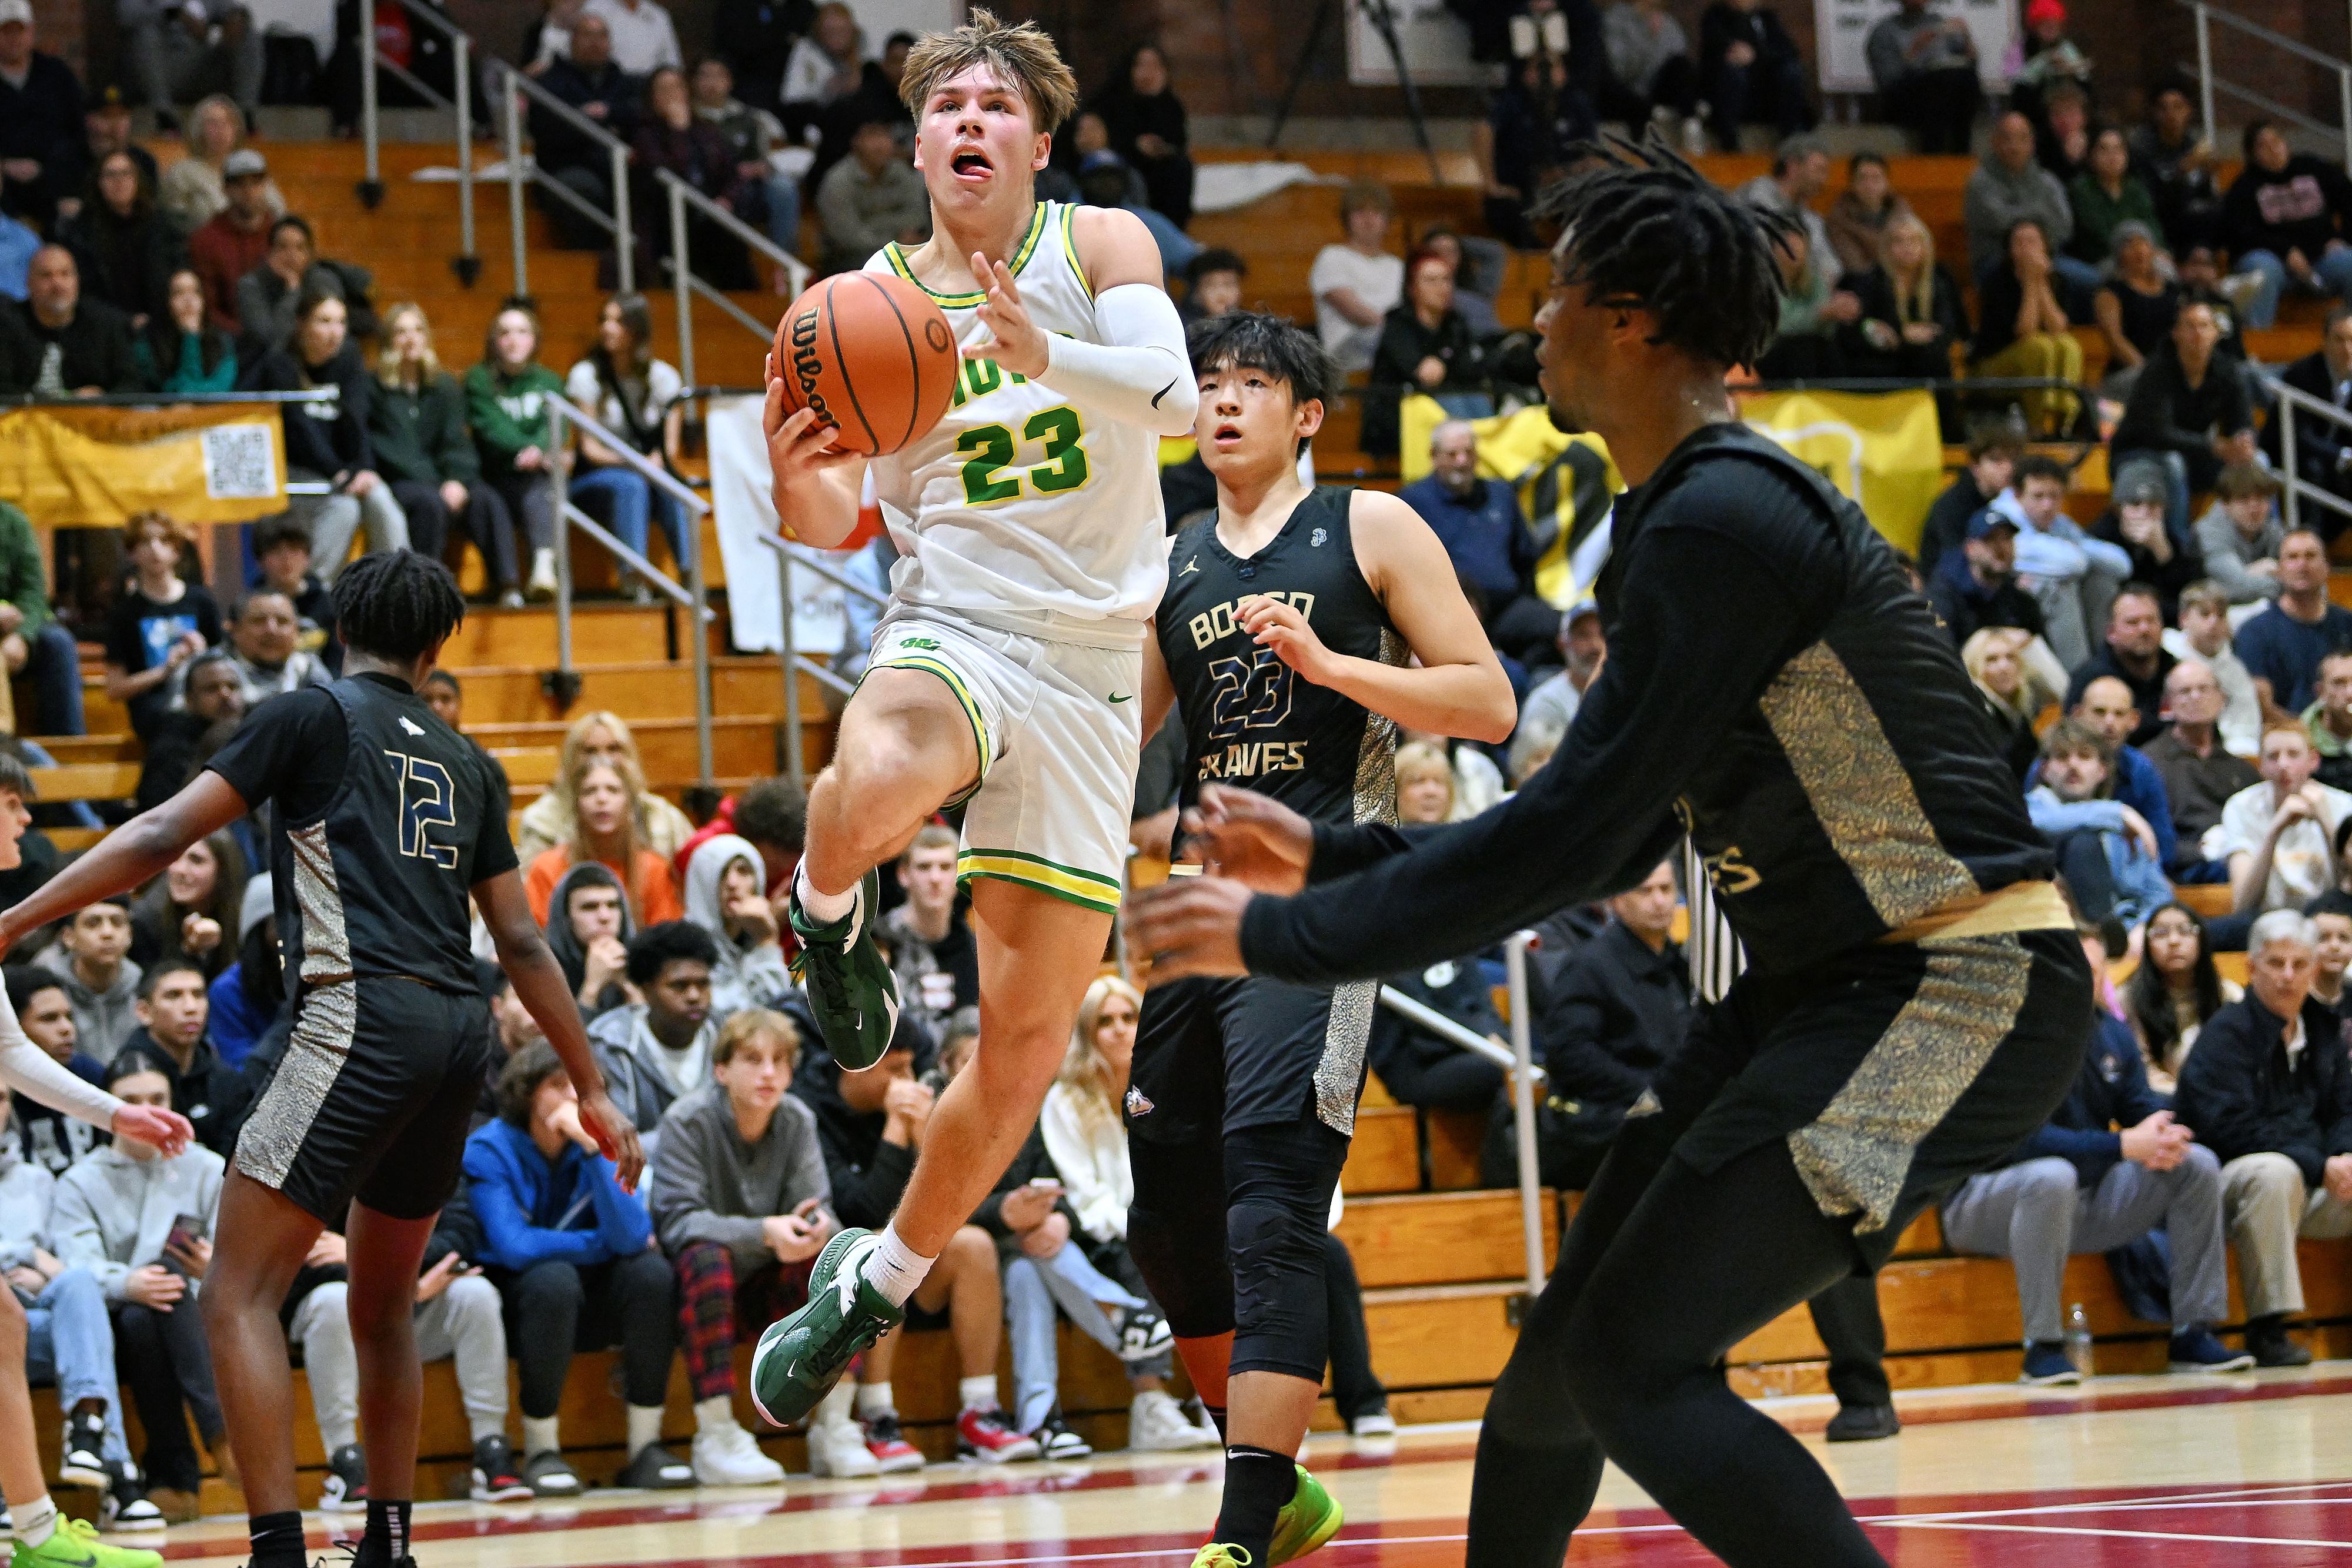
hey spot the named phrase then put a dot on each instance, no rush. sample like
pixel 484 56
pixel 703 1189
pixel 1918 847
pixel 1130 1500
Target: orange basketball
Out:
pixel 873 355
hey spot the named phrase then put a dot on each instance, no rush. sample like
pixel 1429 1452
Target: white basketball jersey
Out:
pixel 1020 510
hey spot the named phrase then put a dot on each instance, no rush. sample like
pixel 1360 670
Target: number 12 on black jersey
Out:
pixel 427 799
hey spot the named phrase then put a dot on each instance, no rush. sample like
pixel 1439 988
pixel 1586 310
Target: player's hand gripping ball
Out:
pixel 873 355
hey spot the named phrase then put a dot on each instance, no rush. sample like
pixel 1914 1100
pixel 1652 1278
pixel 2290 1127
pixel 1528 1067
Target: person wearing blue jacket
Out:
pixel 2076 1187
pixel 573 1255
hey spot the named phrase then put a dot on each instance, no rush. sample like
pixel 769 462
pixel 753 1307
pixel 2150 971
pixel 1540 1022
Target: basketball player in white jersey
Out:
pixel 1005 672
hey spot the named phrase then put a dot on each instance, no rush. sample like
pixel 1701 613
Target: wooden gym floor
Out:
pixel 2135 1472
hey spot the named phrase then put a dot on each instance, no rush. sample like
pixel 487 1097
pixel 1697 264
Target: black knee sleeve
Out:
pixel 1176 1234
pixel 1279 1183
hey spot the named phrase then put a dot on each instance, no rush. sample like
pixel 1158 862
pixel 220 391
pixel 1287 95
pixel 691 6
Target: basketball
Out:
pixel 872 355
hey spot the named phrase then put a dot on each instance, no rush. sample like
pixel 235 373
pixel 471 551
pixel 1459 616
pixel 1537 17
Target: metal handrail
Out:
pixel 1455 1034
pixel 512 79
pixel 1523 1107
pixel 2207 82
pixel 2298 489
pixel 694 595
pixel 684 284
pixel 166 400
pixel 466 263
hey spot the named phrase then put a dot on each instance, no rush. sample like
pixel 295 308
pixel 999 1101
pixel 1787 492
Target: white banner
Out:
pixel 1842 29
pixel 746 513
pixel 1434 41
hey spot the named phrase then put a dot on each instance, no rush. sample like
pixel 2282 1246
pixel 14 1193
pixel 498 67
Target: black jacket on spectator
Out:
pixel 1613 1016
pixel 1998 303
pixel 124 262
pixel 557 144
pixel 2300 207
pixel 212 1095
pixel 421 434
pixel 1420 1069
pixel 2112 1090
pixel 2165 413
pixel 1032 1163
pixel 336 443
pixel 2319 443
pixel 1948 520
pixel 41 120
pixel 2168 578
pixel 1404 343
pixel 2239 1096
pixel 1967 608
pixel 94 349
pixel 867 1175
pixel 755 38
pixel 1875 289
pixel 2147 695
pixel 1723 25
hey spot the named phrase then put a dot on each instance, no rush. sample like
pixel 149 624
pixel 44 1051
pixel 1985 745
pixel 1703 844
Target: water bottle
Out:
pixel 2078 1338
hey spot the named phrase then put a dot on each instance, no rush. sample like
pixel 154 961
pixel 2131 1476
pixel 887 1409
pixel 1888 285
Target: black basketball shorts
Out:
pixel 1214 1056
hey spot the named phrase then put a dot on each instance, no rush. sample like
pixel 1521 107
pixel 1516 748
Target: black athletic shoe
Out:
pixel 1862 1424
pixel 2267 1337
pixel 656 1470
pixel 497 1478
pixel 83 1463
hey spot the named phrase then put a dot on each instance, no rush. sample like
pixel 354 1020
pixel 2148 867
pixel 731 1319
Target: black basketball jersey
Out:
pixel 1249 719
pixel 383 818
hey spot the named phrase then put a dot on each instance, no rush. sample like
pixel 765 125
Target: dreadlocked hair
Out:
pixel 397 604
pixel 1641 226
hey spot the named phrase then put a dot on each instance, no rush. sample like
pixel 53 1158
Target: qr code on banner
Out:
pixel 240 464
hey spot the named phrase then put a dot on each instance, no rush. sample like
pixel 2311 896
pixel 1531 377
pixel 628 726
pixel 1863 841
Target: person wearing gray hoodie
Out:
pixel 726 896
pixel 655 1051
pixel 2011 186
pixel 140 1225
pixel 90 956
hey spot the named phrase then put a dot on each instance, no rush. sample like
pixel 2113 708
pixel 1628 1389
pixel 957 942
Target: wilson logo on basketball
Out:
pixel 807 367
pixel 871 356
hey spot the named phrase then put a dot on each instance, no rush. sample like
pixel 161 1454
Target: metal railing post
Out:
pixel 512 104
pixel 698 627
pixel 560 450
pixel 1523 1106
pixel 681 282
pixel 2286 462
pixel 2205 67
pixel 370 190
pixel 469 265
pixel 788 661
pixel 624 257
pixel 2344 107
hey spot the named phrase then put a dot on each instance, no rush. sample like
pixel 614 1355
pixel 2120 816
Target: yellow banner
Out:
pixel 1881 449
pixel 92 468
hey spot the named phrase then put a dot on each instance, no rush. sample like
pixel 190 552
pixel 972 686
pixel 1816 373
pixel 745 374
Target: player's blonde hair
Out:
pixel 1022 55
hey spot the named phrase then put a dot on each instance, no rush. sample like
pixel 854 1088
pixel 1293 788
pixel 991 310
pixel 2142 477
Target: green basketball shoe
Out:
pixel 1309 1519
pixel 804 1355
pixel 852 993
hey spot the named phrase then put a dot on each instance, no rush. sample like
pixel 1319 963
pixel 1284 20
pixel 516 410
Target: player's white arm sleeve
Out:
pixel 1142 375
pixel 33 1073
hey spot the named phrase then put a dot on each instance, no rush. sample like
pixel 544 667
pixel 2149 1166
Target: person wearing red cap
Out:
pixel 2043 58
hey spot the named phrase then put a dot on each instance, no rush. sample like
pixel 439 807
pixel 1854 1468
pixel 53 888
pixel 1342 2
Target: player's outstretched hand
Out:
pixel 1014 340
pixel 1243 835
pixel 616 1135
pixel 1279 626
pixel 167 1131
pixel 1190 925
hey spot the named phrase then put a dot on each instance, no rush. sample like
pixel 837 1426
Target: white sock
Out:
pixel 645 1428
pixel 716 1414
pixel 893 1268
pixel 539 1436
pixel 836 1407
pixel 823 908
pixel 978 1393
pixel 874 1399
pixel 36 1521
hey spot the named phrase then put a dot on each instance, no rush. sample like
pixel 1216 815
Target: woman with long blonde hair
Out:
pixel 416 419
pixel 661 827
pixel 606 793
pixel 2013 694
pixel 1912 314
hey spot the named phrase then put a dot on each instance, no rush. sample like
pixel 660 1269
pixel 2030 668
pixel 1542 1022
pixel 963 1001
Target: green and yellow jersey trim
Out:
pixel 913 661
pixel 1070 248
pixel 1084 888
pixel 1037 221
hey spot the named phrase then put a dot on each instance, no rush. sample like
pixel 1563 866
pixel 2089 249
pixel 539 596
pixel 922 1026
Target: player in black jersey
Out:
pixel 1915 1000
pixel 1300 628
pixel 384 821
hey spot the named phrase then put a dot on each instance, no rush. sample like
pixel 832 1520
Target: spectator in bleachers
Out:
pixel 40 121
pixel 1423 1068
pixel 725 895
pixel 2173 160
pixel 2009 188
pixel 1975 587
pixel 870 199
pixel 2062 133
pixel 738 1192
pixel 2022 328
pixel 2107 706
pixel 2134 654
pixel 2077 1187
pixel 1356 283
pixel 31 641
pixel 1801 173
pixel 751 134
pixel 2173 993
pixel 658 1047
pixel 826 66
pixel 116 1216
pixel 1858 220
pixel 191 910
pixel 931 952
pixel 2203 635
pixel 506 408
pixel 772 816
pixel 1909 314
pixel 181 351
pixel 1550 705
pixel 212 693
pixel 329 440
pixel 606 795
pixel 2187 411
pixel 2281 647
pixel 2240 534
pixel 603 736
pixel 2072 576
pixel 176 52
pixel 2323 448
pixel 2331 924
pixel 2106 851
pixel 2287 219
pixel 547 37
pixel 1439 782
pixel 874 100
pixel 1650 74
pixel 671 139
pixel 2135 308
pixel 1213 285
pixel 2135 525
pixel 174 1008
pixel 2044 59
pixel 1617 1009
pixel 2278 836
pixel 754 39
pixel 1486 536
pixel 1426 348
pixel 1806 344
pixel 268 296
pixel 572 1255
pixel 91 959
pixel 60 344
pixel 158 622
pixel 2012 697
pixel 1750 70
pixel 2199 772
pixel 586 79
pixel 635 395
pixel 2269 1089
pixel 46 1136
pixel 1993 451
pixel 1522 143
pixel 235 239
pixel 1923 64
pixel 2329 720
pixel 281 548
pixel 2107 193
pixel 106 130
pixel 246 997
pixel 124 249
pixel 1477 264
pixel 195 189
pixel 1146 125
pixel 643 39
pixel 264 644
pixel 588 930
pixel 417 422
